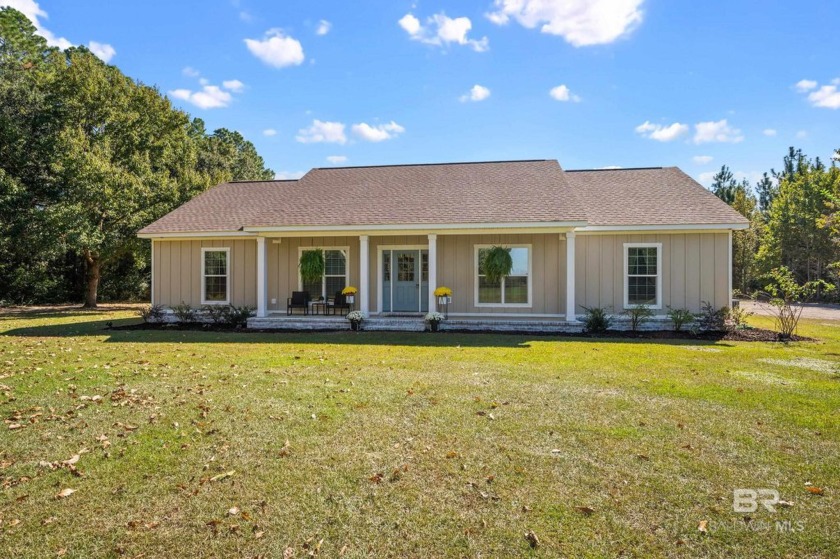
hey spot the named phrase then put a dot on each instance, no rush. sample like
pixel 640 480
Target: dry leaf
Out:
pixel 64 493
pixel 815 490
pixel 258 535
pixel 233 511
pixel 225 475
pixel 587 511
pixel 703 527
pixel 532 539
pixel 785 504
pixel 14 522
pixel 451 454
pixel 376 478
pixel 75 458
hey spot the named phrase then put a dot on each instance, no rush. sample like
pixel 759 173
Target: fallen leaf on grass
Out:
pixel 14 522
pixel 64 493
pixel 785 504
pixel 233 511
pixel 225 475
pixel 532 539
pixel 703 527
pixel 286 449
pixel 814 490
pixel 15 426
pixel 376 478
pixel 72 460
pixel 586 511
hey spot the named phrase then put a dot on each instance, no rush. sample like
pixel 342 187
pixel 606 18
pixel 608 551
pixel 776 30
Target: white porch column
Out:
pixel 570 276
pixel 364 273
pixel 432 272
pixel 262 278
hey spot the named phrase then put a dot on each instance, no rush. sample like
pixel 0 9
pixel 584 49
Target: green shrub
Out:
pixel 680 317
pixel 737 318
pixel 711 319
pixel 184 312
pixel 638 315
pixel 311 265
pixel 152 313
pixel 219 314
pixel 238 316
pixel 596 320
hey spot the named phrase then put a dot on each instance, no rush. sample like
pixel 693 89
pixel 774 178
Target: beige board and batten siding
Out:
pixel 284 257
pixel 695 268
pixel 457 269
pixel 178 268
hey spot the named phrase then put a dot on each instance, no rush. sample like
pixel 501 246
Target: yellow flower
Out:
pixel 349 290
pixel 443 292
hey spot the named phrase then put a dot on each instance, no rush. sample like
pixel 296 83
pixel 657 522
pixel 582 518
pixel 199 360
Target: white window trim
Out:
pixel 346 250
pixel 205 250
pixel 527 305
pixel 658 247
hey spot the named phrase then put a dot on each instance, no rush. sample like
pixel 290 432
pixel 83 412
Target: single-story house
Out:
pixel 609 238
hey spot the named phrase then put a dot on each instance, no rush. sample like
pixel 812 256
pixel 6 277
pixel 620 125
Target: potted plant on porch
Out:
pixel 497 263
pixel 311 266
pixel 434 319
pixel 349 293
pixel 355 318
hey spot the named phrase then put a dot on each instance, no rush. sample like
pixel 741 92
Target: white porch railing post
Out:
pixel 432 271
pixel 570 277
pixel 262 278
pixel 364 273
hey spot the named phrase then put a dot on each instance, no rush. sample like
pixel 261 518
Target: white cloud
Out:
pixel 805 85
pixel 379 132
pixel 827 97
pixel 277 49
pixel 322 132
pixel 442 30
pixel 612 167
pixel 769 131
pixel 579 22
pixel 662 133
pixel 190 72
pixel 233 85
pixel 476 93
pixel 563 93
pixel 209 97
pixel 719 131
pixel 802 134
pixel 103 51
pixel 702 159
pixel 269 132
pixel 34 13
pixel 288 175
pixel 324 27
pixel 336 159
pixel 706 178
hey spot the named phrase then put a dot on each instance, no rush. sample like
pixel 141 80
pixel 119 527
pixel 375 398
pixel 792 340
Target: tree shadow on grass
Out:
pixel 120 331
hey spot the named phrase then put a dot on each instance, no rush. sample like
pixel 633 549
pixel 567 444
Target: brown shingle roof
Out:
pixel 453 193
pixel 652 196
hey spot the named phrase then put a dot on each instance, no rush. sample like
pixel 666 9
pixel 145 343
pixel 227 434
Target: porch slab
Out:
pixel 413 324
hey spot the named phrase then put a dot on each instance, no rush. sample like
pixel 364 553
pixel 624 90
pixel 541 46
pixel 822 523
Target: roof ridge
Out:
pixel 431 164
pixel 615 169
pixel 269 180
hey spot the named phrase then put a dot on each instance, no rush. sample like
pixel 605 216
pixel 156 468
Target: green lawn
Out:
pixel 410 445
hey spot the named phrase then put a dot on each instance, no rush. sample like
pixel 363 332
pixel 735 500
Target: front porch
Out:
pixel 410 323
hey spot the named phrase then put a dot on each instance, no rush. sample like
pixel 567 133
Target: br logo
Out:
pixel 747 500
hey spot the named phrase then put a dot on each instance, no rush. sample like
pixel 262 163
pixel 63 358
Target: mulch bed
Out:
pixel 745 335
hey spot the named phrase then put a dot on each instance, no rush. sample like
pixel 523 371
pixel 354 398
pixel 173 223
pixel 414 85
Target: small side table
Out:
pixel 322 305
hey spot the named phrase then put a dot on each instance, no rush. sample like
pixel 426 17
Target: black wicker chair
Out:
pixel 298 300
pixel 339 302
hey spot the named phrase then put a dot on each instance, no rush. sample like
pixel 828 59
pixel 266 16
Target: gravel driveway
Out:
pixel 810 310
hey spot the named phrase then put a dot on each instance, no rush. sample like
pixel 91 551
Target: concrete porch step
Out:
pixel 411 324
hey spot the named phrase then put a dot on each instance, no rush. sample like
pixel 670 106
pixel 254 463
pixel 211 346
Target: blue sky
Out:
pixel 592 83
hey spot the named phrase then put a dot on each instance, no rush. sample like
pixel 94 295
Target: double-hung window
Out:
pixel 643 274
pixel 513 290
pixel 335 274
pixel 215 276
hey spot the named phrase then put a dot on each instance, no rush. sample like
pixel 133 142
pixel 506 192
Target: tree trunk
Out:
pixel 93 274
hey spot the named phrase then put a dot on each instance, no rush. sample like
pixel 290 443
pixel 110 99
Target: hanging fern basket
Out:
pixel 311 265
pixel 497 263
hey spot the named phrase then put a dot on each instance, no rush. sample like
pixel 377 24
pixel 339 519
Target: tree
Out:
pixel 767 190
pixel 795 238
pixel 724 185
pixel 745 243
pixel 87 157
